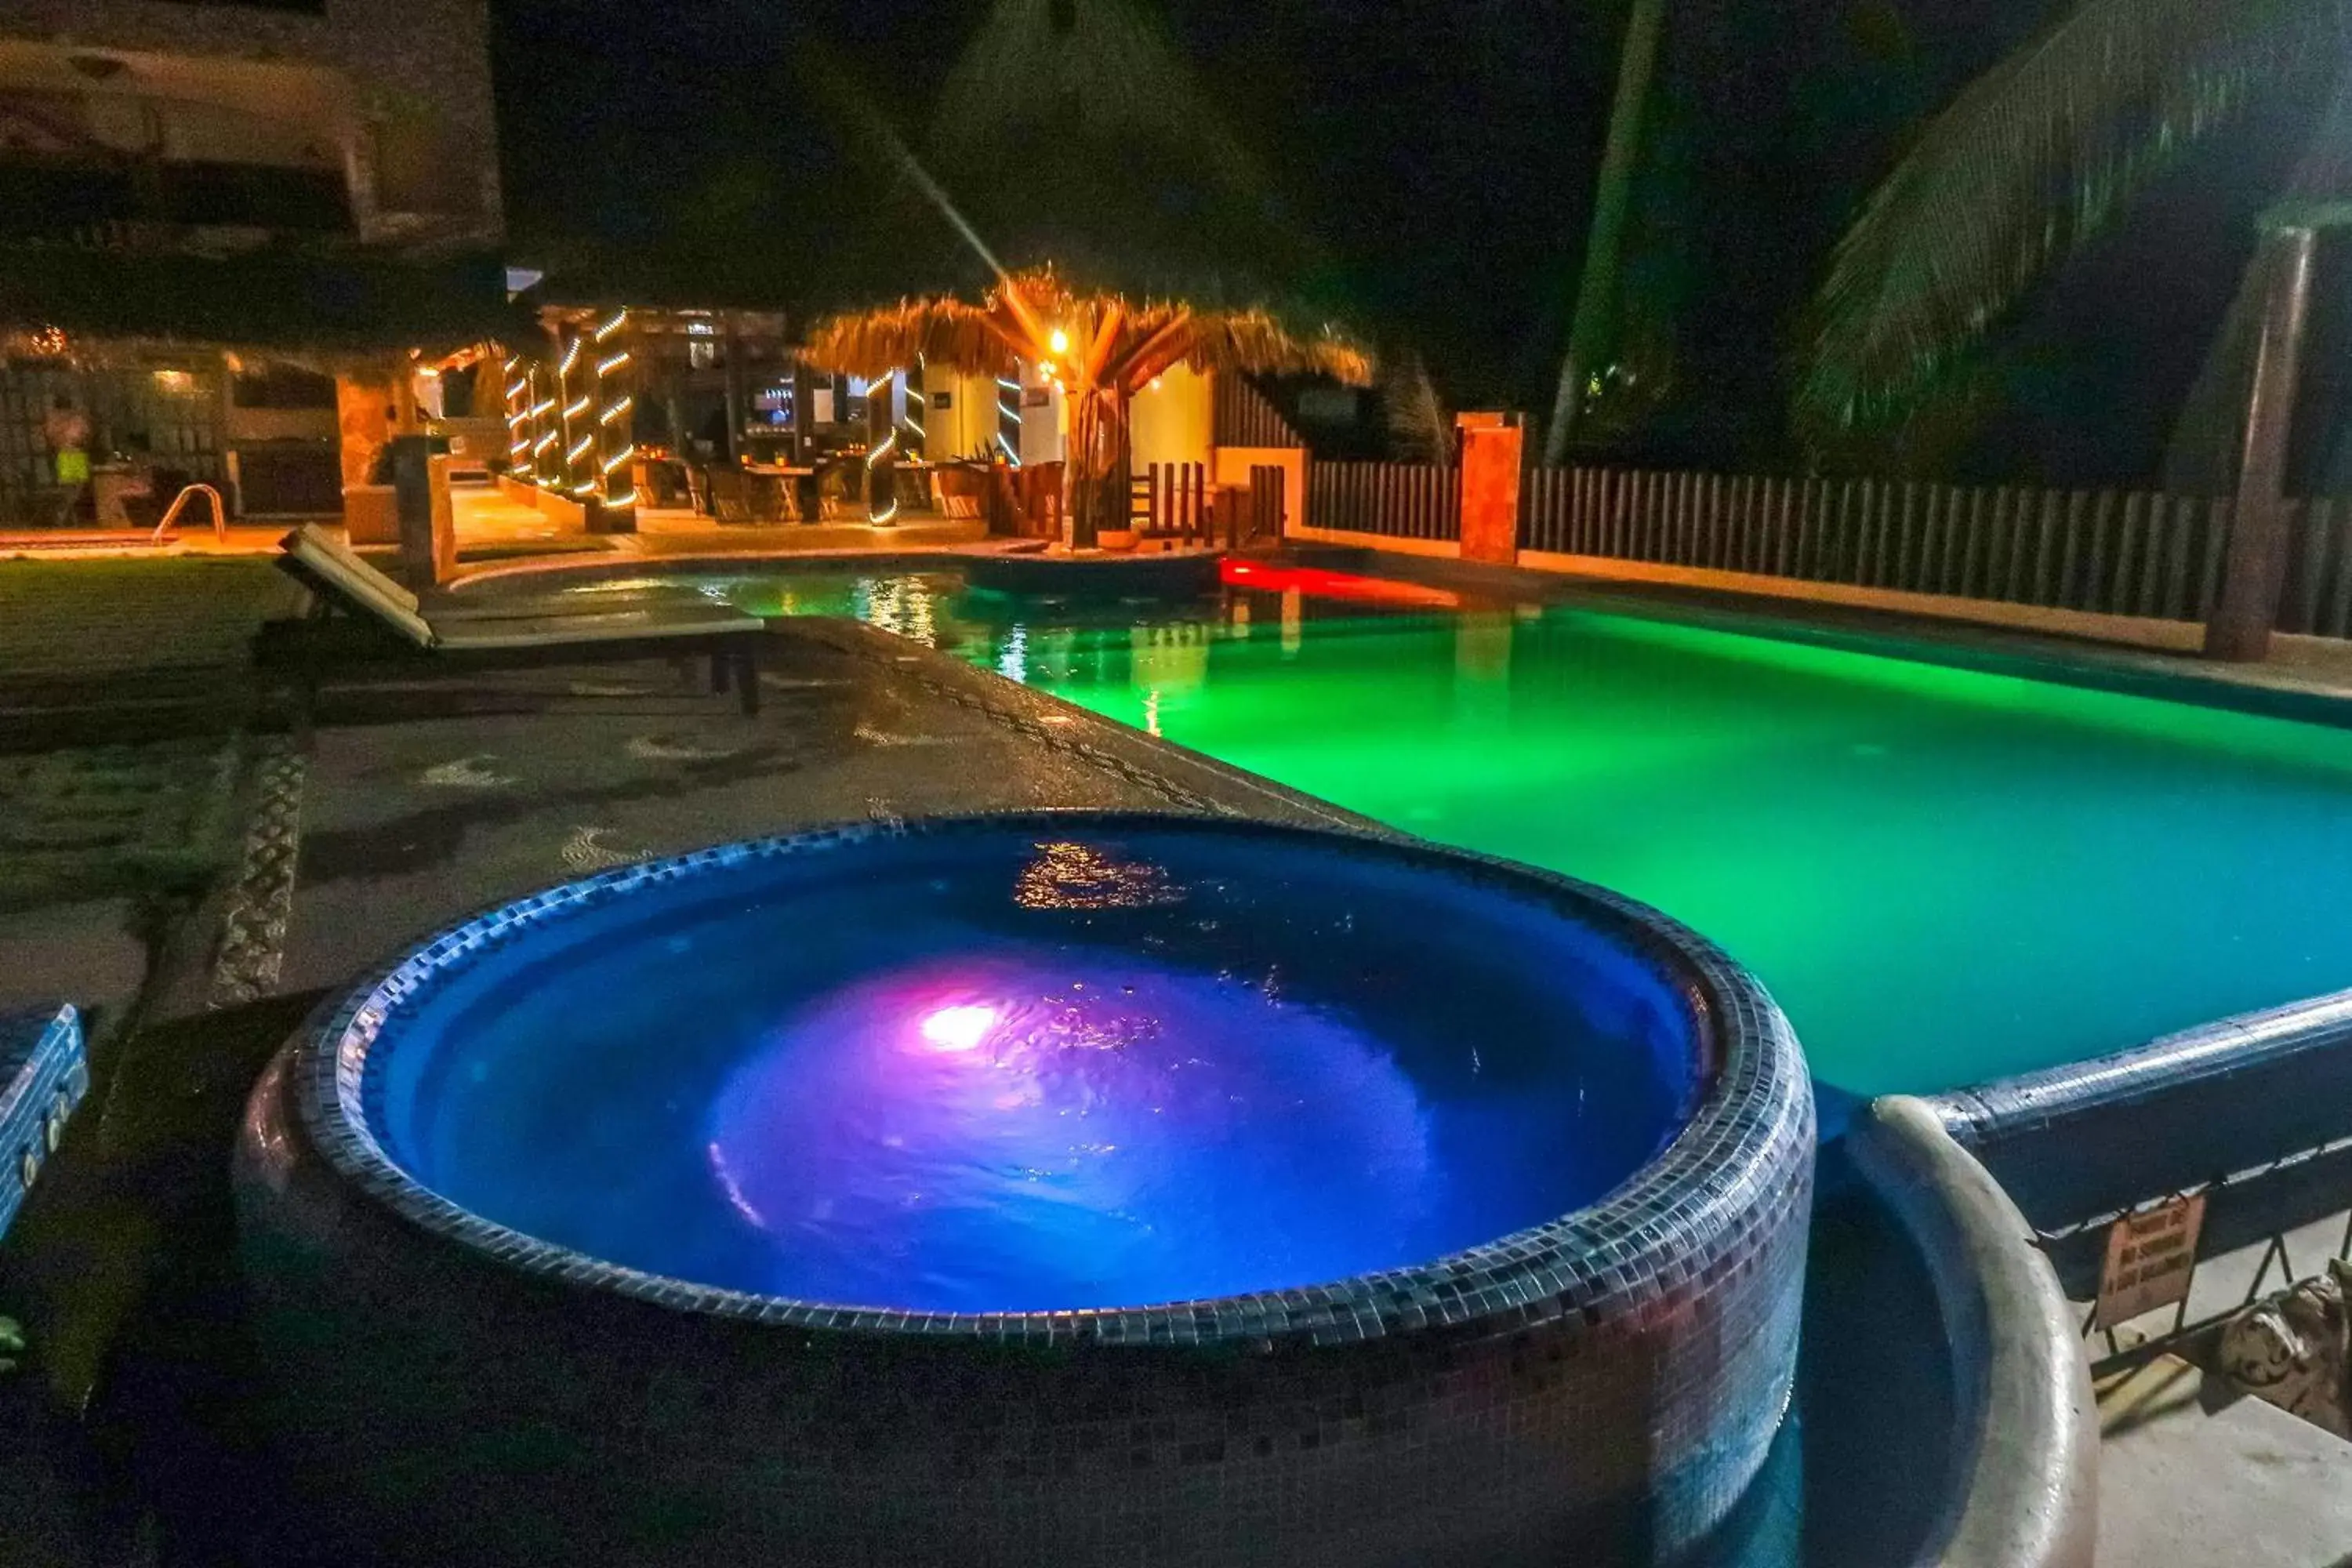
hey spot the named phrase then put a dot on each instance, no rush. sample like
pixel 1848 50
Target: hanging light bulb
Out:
pixel 1060 341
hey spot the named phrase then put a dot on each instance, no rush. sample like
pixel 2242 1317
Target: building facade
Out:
pixel 211 212
pixel 220 123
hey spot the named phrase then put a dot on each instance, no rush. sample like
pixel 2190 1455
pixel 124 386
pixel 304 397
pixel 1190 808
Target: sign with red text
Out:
pixel 2151 1258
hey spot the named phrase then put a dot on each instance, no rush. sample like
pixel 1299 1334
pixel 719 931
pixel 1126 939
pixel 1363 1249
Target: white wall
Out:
pixel 1172 421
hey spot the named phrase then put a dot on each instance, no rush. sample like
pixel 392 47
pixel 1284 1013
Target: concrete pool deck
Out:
pixel 418 801
pixel 425 800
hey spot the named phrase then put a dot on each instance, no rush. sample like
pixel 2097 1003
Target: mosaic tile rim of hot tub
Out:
pixel 1688 1208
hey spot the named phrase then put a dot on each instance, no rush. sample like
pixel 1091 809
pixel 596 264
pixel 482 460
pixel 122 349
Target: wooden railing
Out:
pixel 2131 554
pixel 1170 500
pixel 1242 416
pixel 2107 552
pixel 1400 500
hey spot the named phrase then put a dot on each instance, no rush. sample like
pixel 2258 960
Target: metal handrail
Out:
pixel 172 512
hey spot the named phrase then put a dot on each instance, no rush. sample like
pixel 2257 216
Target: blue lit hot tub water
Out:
pixel 1017 1073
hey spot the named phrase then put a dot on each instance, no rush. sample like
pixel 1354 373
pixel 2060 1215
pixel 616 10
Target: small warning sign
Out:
pixel 2151 1258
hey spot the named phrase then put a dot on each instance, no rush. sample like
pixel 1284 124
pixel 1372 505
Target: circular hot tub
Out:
pixel 1060 1188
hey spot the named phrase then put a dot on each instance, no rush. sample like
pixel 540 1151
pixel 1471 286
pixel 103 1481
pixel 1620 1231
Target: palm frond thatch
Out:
pixel 1420 430
pixel 1076 134
pixel 2034 157
pixel 1138 340
pixel 1092 70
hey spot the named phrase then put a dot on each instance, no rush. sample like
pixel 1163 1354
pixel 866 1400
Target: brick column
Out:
pixel 1493 452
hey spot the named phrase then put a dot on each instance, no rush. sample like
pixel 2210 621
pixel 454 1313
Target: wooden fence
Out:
pixel 1399 500
pixel 2130 554
pixel 2114 552
pixel 1169 500
pixel 1242 416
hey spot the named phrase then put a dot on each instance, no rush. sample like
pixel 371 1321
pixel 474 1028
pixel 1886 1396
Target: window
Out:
pixel 282 386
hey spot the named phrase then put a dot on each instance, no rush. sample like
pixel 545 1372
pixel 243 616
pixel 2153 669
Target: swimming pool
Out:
pixel 1944 876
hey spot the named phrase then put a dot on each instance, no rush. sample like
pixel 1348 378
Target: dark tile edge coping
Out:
pixel 592 566
pixel 2027 1421
pixel 1750 1137
pixel 1190 779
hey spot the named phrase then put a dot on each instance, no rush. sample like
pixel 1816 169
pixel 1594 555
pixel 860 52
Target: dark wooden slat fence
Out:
pixel 2107 551
pixel 1242 416
pixel 1399 500
pixel 2318 597
pixel 1171 501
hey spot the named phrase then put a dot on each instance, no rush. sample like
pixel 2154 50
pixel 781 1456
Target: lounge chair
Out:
pixel 657 624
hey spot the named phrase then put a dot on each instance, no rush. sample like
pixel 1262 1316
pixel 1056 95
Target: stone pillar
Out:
pixel 428 534
pixel 882 455
pixel 1494 450
pixel 367 416
pixel 739 398
pixel 2255 570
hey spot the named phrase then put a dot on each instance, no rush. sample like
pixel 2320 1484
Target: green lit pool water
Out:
pixel 1943 875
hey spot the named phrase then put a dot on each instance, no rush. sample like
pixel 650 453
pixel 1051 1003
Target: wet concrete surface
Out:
pixel 415 802
pixel 424 803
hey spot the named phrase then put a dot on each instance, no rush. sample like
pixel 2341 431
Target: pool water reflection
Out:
pixel 1943 875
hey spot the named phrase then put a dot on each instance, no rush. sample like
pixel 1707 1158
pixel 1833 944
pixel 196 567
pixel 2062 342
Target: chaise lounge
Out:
pixel 503 634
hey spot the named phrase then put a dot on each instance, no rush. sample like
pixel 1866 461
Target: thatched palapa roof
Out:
pixel 1074 167
pixel 1014 321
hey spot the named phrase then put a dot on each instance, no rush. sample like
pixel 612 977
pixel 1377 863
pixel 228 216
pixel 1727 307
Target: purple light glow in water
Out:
pixel 1005 1132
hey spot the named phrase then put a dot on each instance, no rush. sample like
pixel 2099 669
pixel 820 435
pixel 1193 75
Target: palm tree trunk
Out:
pixel 1094 469
pixel 2255 568
pixel 1077 468
pixel 1598 287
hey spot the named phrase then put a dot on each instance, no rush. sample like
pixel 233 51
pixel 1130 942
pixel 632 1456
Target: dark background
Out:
pixel 1442 153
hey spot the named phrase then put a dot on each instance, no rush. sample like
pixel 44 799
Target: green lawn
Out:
pixel 83 619
pixel 124 687
pixel 88 822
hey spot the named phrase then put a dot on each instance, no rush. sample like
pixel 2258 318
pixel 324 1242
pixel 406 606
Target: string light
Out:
pixel 519 448
pixel 511 363
pixel 615 325
pixel 518 388
pixel 617 410
pixel 1008 449
pixel 629 500
pixel 577 409
pixel 573 456
pixel 544 443
pixel 587 490
pixel 1009 412
pixel 1008 386
pixel 623 455
pixel 882 519
pixel 571 358
pixel 889 444
pixel 543 410
pixel 607 366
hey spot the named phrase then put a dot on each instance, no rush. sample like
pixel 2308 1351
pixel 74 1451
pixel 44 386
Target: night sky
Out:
pixel 1443 152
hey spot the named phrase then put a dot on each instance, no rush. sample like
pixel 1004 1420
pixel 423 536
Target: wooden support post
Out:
pixel 2254 569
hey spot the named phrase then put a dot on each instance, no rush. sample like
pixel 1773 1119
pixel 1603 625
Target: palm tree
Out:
pixel 1601 284
pixel 2032 159
pixel 1102 348
pixel 1100 219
